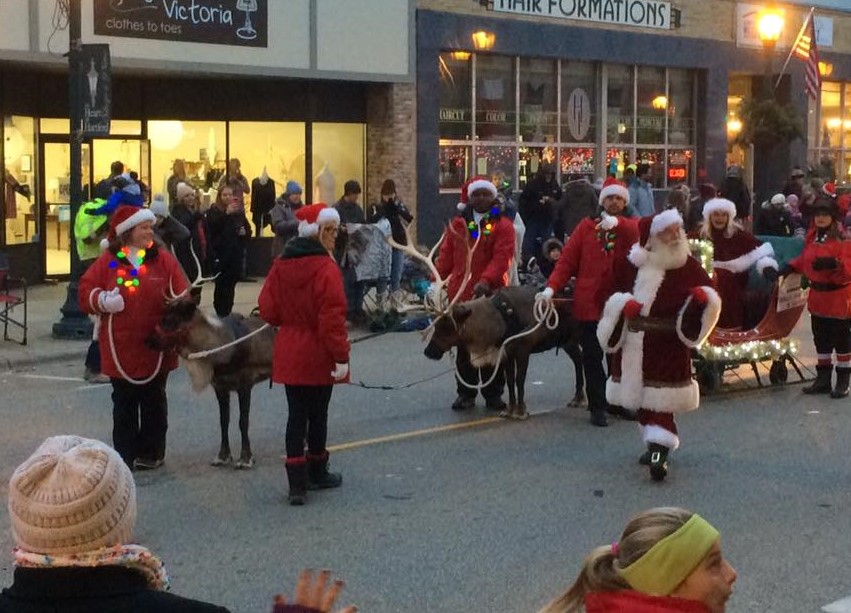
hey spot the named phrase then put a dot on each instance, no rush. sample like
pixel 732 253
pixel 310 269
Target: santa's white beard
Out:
pixel 668 256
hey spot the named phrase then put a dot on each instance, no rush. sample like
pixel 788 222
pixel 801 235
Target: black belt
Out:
pixel 827 287
pixel 651 324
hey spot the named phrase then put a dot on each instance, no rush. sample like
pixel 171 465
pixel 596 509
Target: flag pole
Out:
pixel 794 45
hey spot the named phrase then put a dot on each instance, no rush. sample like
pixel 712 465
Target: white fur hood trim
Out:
pixel 744 262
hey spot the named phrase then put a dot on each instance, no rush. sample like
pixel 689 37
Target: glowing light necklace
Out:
pixel 128 273
pixel 485 224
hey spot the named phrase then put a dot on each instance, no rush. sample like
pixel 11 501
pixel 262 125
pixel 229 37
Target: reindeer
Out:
pixel 483 325
pixel 184 328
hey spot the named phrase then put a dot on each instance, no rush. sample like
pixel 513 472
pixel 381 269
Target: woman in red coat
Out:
pixel 303 295
pixel 826 262
pixel 126 286
pixel 668 560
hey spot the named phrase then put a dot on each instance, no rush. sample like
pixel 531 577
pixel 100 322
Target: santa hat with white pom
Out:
pixel 474 186
pixel 126 217
pixel 312 216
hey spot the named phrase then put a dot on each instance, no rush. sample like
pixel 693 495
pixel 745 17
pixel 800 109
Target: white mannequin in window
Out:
pixel 325 185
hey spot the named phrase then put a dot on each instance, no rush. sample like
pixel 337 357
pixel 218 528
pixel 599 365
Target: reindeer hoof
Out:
pixel 578 401
pixel 244 464
pixel 222 461
pixel 521 416
pixel 506 414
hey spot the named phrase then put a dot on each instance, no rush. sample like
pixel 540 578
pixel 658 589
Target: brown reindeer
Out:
pixel 483 325
pixel 186 329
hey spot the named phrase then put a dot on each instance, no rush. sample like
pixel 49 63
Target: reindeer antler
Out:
pixel 200 279
pixel 428 260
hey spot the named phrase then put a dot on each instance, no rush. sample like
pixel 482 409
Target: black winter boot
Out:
pixel 644 458
pixel 658 461
pixel 843 378
pixel 822 383
pixel 297 476
pixel 318 477
pixel 598 417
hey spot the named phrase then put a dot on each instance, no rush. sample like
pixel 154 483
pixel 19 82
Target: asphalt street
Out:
pixel 492 516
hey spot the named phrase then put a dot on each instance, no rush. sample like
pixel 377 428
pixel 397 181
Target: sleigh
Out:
pixel 766 346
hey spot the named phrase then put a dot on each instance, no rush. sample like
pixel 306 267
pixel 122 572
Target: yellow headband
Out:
pixel 667 564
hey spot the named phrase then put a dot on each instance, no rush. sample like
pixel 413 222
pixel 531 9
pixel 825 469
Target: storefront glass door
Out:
pixel 50 220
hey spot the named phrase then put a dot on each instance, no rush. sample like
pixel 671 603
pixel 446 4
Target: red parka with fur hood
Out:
pixel 303 295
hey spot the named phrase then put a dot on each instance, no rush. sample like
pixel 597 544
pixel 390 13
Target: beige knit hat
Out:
pixel 72 495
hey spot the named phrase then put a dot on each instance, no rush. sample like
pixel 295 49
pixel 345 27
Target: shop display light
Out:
pixel 165 135
pixel 461 56
pixel 483 40
pixel 660 103
pixel 825 69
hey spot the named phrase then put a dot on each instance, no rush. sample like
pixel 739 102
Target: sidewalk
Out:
pixel 44 302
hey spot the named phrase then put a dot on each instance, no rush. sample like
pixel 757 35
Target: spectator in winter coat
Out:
pixel 178 175
pixel 236 181
pixel 537 208
pixel 578 201
pixel 667 560
pixel 187 212
pixel 350 212
pixel 589 255
pixel 735 190
pixel 795 184
pixel 127 286
pixel 72 506
pixel 641 192
pixel 551 253
pixel 706 192
pixel 105 187
pixel 170 231
pixel 394 211
pixel 282 215
pixel 229 231
pixel 775 217
pixel 303 295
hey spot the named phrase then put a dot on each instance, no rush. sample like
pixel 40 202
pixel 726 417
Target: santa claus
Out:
pixel 651 331
pixel 735 251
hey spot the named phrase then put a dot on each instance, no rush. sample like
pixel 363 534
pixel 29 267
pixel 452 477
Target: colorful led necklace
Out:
pixel 128 274
pixel 485 224
pixel 607 237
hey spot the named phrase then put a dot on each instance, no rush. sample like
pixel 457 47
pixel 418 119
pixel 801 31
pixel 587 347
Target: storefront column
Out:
pixel 391 137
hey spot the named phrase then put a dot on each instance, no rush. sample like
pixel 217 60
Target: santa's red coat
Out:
pixel 733 257
pixel 304 297
pixel 586 258
pixel 143 309
pixel 491 258
pixel 652 369
pixel 835 303
pixel 630 601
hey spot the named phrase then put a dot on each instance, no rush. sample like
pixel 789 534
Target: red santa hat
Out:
pixel 649 227
pixel 475 184
pixel 719 204
pixel 312 216
pixel 614 189
pixel 126 217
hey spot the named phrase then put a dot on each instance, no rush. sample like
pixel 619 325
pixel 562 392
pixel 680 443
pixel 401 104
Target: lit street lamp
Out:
pixel 769 25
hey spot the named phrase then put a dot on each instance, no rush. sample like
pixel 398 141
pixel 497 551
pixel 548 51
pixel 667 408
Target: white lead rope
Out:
pixel 203 354
pixel 114 353
pixel 545 314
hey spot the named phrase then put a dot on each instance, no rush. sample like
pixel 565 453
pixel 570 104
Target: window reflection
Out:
pixel 338 156
pixel 495 91
pixel 456 108
pixel 538 100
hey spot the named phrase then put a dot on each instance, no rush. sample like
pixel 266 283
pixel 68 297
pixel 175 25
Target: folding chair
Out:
pixel 13 294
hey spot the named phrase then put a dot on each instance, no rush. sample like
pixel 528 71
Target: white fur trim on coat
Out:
pixel 664 219
pixel 711 313
pixel 763 263
pixel 720 204
pixel 668 399
pixel 481 184
pixel 612 314
pixel 657 434
pixel 744 262
pixel 140 216
pixel 614 189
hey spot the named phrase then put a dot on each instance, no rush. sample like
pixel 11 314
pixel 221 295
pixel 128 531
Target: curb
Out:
pixel 30 361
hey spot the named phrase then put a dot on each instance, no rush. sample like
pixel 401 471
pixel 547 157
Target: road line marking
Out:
pixel 390 438
pixel 840 606
pixel 49 377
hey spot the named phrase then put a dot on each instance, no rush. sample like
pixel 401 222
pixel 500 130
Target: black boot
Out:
pixel 843 378
pixel 644 458
pixel 658 461
pixel 822 383
pixel 464 403
pixel 297 476
pixel 318 477
pixel 598 417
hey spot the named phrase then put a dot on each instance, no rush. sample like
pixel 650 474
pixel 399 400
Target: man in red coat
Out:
pixel 596 243
pixel 672 309
pixel 481 219
pixel 303 295
pixel 735 251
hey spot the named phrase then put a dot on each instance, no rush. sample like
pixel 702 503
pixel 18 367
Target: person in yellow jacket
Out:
pixel 89 228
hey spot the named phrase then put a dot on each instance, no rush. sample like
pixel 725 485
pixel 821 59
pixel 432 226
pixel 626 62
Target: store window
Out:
pixel 538 100
pixel 830 123
pixel 491 159
pixel 276 148
pixel 655 158
pixel 455 165
pixel 620 109
pixel 198 147
pixel 651 105
pixel 338 156
pixel 681 107
pixel 530 160
pixel 19 194
pixel 578 102
pixel 831 116
pixel 578 163
pixel 495 98
pixel 456 95
pixel 122 127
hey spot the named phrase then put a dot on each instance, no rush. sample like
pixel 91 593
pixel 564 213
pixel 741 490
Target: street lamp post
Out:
pixel 769 25
pixel 74 323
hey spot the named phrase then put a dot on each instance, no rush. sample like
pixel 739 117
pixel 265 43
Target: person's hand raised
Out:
pixel 309 597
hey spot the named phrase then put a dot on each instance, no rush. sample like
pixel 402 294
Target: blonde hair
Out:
pixel 600 569
pixel 733 226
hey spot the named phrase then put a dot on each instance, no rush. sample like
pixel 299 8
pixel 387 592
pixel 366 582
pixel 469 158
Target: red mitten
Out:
pixel 699 295
pixel 632 309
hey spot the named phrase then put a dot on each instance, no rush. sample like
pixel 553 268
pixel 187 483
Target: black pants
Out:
pixel 139 419
pixel 225 291
pixel 592 365
pixel 471 375
pixel 308 419
pixel 93 357
pixel 831 335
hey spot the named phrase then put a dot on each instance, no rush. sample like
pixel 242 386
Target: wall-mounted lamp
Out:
pixel 660 103
pixel 461 56
pixel 734 126
pixel 483 40
pixel 825 69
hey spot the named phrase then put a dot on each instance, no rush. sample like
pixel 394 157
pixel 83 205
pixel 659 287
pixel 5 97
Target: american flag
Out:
pixel 805 48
